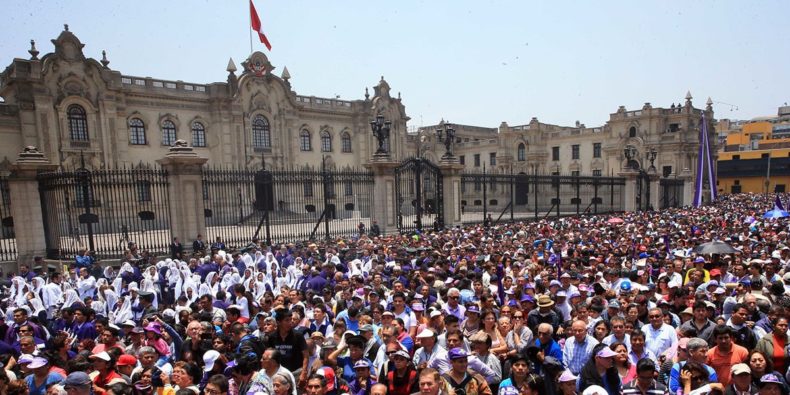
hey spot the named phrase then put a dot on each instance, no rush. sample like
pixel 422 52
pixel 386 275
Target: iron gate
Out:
pixel 104 210
pixel 418 193
pixel 671 192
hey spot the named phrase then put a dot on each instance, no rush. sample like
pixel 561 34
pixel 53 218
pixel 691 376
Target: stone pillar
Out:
pixel 451 189
pixel 26 206
pixel 655 191
pixel 688 187
pixel 629 204
pixel 187 212
pixel 384 212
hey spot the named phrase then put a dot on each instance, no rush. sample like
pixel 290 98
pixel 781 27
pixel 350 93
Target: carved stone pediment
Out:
pixel 68 47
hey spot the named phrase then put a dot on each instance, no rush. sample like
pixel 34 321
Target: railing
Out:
pixel 285 204
pixel 150 82
pixel 8 251
pixel 105 210
pixel 533 196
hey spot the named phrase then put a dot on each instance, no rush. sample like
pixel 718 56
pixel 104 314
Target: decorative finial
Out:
pixel 398 95
pixel 709 102
pixel 231 66
pixel 688 95
pixel 104 60
pixel 66 26
pixel 367 95
pixel 33 51
pixel 286 75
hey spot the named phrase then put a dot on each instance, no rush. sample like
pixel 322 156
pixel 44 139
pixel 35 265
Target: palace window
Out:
pixel 78 123
pixel 522 152
pixel 304 140
pixel 326 141
pixel 346 142
pixel 198 135
pixel 596 150
pixel 261 134
pixel 168 133
pixel 555 153
pixel 137 132
pixel 575 151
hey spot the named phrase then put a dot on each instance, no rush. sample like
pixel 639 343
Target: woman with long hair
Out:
pixel 601 329
pixel 143 382
pixel 498 344
pixel 694 377
pixel 773 346
pixel 625 369
pixel 760 364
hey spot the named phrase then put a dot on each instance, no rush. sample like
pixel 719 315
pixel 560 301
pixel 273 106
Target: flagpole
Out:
pixel 249 16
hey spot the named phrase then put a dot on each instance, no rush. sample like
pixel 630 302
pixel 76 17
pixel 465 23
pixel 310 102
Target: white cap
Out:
pixel 209 358
pixel 426 333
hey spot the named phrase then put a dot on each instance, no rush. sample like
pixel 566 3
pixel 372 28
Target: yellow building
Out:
pixel 755 154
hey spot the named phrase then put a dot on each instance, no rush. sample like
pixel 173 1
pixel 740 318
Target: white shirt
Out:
pixel 659 340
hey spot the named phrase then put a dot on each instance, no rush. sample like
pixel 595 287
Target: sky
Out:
pixel 469 62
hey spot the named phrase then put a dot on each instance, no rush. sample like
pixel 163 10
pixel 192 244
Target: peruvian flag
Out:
pixel 256 25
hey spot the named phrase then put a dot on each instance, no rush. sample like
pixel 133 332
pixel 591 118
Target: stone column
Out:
pixel 187 212
pixel 688 187
pixel 629 204
pixel 384 212
pixel 451 189
pixel 26 206
pixel 655 191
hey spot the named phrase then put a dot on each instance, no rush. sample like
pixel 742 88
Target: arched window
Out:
pixel 137 132
pixel 78 123
pixel 522 152
pixel 632 131
pixel 261 135
pixel 346 142
pixel 326 141
pixel 304 140
pixel 168 133
pixel 198 135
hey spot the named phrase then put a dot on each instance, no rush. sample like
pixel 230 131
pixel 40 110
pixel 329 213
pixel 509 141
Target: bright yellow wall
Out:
pixel 752 184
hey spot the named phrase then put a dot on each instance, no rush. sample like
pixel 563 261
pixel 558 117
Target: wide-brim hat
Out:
pixel 545 301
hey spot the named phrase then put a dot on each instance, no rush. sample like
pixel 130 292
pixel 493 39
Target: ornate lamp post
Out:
pixel 446 136
pixel 642 179
pixel 381 130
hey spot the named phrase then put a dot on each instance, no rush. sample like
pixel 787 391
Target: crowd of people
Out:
pixel 598 304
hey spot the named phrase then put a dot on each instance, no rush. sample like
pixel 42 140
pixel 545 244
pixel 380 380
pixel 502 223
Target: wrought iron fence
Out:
pixel 512 197
pixel 105 210
pixel 284 205
pixel 8 251
pixel 671 192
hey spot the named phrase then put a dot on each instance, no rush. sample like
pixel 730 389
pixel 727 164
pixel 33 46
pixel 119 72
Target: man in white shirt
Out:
pixel 431 355
pixel 658 336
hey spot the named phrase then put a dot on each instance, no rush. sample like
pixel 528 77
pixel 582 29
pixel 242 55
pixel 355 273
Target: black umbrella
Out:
pixel 714 247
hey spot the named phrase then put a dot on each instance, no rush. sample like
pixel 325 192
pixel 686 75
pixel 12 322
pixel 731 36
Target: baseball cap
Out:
pixel 102 355
pixel 77 379
pixel 426 333
pixel 567 375
pixel 606 352
pixel 127 360
pixel 457 353
pixel 740 368
pixel 209 358
pixel 362 364
pixel 366 328
pixel 436 313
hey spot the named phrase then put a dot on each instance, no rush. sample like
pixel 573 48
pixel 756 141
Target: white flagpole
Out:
pixel 249 16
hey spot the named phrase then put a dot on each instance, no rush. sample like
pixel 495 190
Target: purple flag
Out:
pixel 778 204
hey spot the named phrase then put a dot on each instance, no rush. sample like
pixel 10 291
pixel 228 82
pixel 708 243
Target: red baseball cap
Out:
pixel 715 272
pixel 126 360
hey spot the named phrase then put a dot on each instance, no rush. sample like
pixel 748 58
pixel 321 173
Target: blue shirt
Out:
pixel 576 354
pixel 52 378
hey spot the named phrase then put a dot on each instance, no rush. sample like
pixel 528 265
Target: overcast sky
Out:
pixel 471 62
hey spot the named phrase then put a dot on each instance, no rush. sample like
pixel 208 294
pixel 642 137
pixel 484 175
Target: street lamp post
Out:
pixel 643 177
pixel 446 136
pixel 381 130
